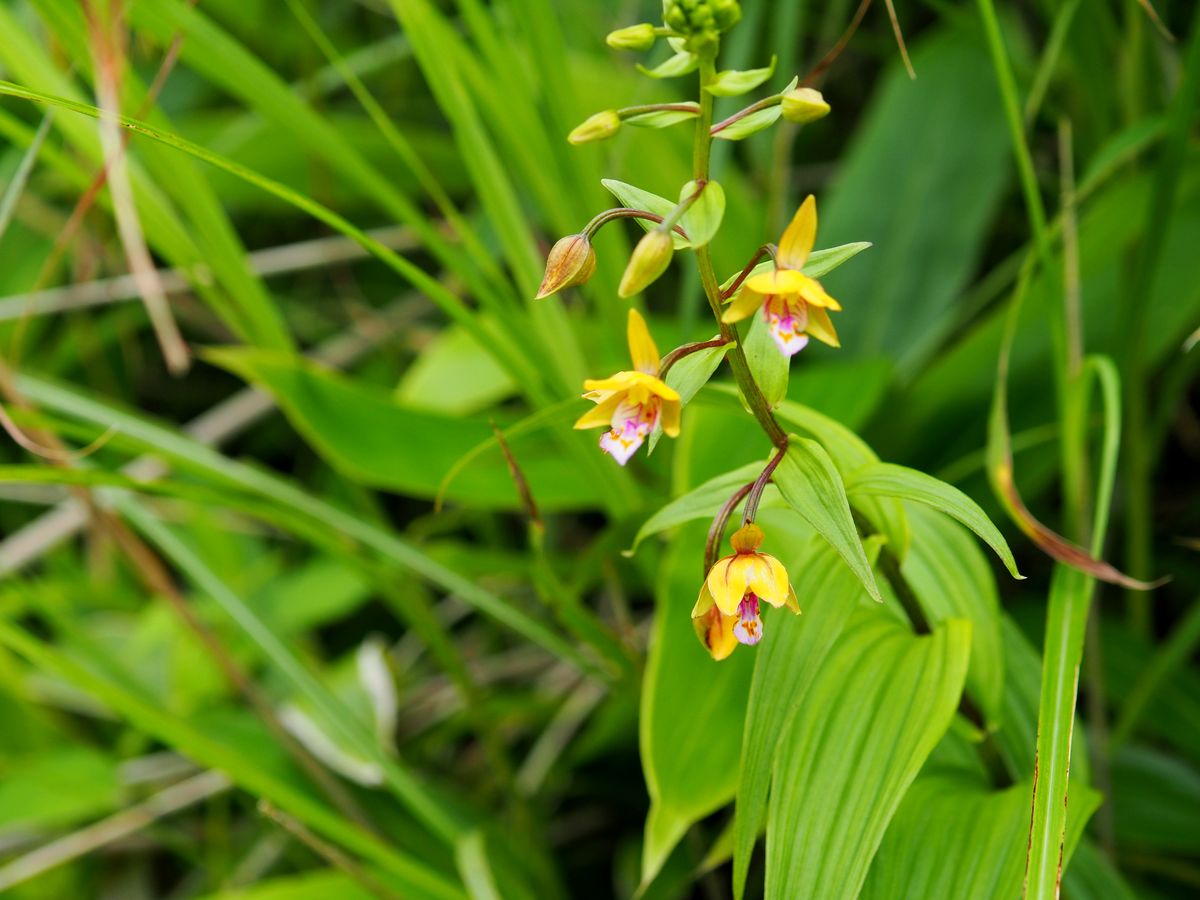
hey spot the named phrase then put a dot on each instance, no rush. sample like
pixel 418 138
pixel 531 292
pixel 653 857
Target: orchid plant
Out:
pixel 634 405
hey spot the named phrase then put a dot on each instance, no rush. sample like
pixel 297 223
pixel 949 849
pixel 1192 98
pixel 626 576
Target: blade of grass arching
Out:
pixel 434 44
pixel 192 742
pixel 108 60
pixel 1139 461
pixel 505 352
pixel 1049 60
pixel 338 718
pixel 401 146
pixel 221 59
pixel 192 455
pixel 1071 594
pixel 236 298
pixel 16 187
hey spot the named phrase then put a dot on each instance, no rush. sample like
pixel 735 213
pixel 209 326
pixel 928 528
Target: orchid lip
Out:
pixel 748 630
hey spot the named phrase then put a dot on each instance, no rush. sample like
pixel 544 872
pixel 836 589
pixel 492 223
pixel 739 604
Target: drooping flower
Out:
pixel 794 305
pixel 727 612
pixel 631 404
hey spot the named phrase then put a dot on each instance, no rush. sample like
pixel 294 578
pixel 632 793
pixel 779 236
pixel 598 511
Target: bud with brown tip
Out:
pixel 804 105
pixel 571 261
pixel 596 128
pixel 650 259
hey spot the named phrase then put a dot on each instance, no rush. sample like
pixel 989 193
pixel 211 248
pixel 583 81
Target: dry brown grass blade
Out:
pixel 1158 23
pixel 57 454
pixel 108 55
pixel 831 57
pixel 891 8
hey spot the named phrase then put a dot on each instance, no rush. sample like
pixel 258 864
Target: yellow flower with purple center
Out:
pixel 728 612
pixel 794 305
pixel 633 403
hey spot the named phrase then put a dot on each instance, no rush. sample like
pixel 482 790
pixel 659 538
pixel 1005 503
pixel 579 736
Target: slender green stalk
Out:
pixel 708 278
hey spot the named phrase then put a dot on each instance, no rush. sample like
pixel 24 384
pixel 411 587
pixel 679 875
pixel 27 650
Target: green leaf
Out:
pixel 679 64
pixel 374 439
pixel 788 661
pixel 1156 802
pixel 953 839
pixel 811 485
pixel 889 480
pixel 692 710
pixel 769 367
pixel 875 711
pixel 320 884
pixel 732 82
pixel 57 789
pixel 951 579
pixel 689 375
pixel 454 375
pixel 819 262
pixel 636 198
pixel 751 124
pixel 702 219
pixel 662 118
pixel 701 502
pixel 937 148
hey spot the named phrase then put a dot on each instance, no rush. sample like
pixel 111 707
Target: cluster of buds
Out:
pixel 701 21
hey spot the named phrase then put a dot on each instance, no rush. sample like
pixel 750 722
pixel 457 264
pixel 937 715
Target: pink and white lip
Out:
pixel 631 424
pixel 748 630
pixel 787 320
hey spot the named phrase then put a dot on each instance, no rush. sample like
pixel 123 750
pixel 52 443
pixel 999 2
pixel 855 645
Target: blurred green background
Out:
pixel 276 670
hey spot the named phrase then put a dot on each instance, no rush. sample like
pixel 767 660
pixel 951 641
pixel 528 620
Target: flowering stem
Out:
pixel 712 290
pixel 760 485
pixel 687 350
pixel 625 212
pixel 717 530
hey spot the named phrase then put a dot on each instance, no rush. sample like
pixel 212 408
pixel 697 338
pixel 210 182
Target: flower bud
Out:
pixel 571 261
pixel 650 259
pixel 600 126
pixel 635 37
pixel 804 105
pixel 693 17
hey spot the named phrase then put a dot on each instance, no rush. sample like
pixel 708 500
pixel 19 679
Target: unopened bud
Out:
pixel 571 261
pixel 804 105
pixel 650 259
pixel 600 126
pixel 635 37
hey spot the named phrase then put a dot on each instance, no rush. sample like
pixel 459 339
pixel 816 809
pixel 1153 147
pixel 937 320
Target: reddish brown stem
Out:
pixel 760 485
pixel 717 530
pixel 687 350
pixel 764 250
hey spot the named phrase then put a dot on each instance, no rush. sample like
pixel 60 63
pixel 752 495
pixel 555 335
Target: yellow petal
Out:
pixel 703 603
pixel 792 604
pixel 641 346
pixel 622 381
pixel 798 238
pixel 602 413
pixel 670 418
pixel 814 295
pixel 770 580
pixel 820 327
pixel 778 281
pixel 715 632
pixel 727 583
pixel 745 304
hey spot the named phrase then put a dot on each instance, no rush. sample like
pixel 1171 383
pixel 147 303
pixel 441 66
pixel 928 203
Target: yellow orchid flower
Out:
pixel 727 612
pixel 632 403
pixel 794 305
